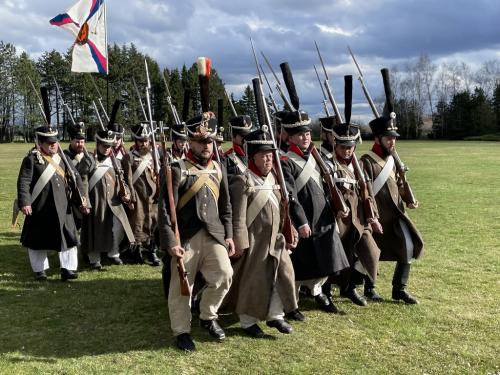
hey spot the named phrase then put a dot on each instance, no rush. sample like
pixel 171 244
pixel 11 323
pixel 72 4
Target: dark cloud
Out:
pixel 381 33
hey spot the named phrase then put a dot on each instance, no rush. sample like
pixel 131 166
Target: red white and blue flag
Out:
pixel 86 21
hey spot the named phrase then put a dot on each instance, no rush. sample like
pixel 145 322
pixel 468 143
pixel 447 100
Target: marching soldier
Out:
pixel 179 141
pixel 356 229
pixel 82 161
pixel 319 252
pixel 42 197
pixel 118 132
pixel 203 209
pixel 106 227
pixel 140 174
pixel 400 241
pixel 236 156
pixel 263 283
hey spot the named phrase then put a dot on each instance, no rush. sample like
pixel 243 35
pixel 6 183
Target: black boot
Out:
pixel 137 254
pixel 370 292
pixel 399 283
pixel 326 288
pixel 349 291
pixel 153 258
pixel 68 274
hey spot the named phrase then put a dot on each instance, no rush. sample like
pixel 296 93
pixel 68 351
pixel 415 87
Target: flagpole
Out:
pixel 107 60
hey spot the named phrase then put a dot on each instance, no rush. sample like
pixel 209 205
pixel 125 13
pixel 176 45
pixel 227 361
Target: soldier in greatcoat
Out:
pixel 83 162
pixel 139 171
pixel 356 229
pixel 104 230
pixel 319 253
pixel 264 282
pixel 118 146
pixel 401 241
pixel 235 157
pixel 203 209
pixel 179 141
pixel 42 192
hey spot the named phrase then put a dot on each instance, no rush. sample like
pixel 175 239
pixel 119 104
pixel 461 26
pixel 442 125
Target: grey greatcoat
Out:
pixel 51 225
pixel 322 254
pixel 265 262
pixel 390 202
pixel 143 191
pixel 97 233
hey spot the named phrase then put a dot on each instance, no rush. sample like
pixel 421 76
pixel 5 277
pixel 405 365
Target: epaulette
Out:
pixel 37 154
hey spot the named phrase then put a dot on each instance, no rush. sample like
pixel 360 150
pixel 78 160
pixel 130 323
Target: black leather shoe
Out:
pixel 372 295
pixel 40 276
pixel 213 328
pixel 325 303
pixel 185 342
pixel 153 258
pixel 97 266
pixel 403 295
pixel 281 325
pixel 254 331
pixel 68 275
pixel 295 315
pixel 353 295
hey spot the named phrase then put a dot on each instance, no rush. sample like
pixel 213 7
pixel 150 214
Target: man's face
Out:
pixel 263 161
pixel 387 142
pixel 344 152
pixel 104 149
pixel 302 140
pixel 202 150
pixel 142 145
pixel 77 145
pixel 49 148
pixel 180 143
pixel 238 139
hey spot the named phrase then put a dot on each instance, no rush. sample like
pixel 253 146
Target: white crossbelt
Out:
pixel 45 178
pixel 265 194
pixel 236 160
pixel 309 171
pixel 146 160
pixel 383 175
pixel 102 168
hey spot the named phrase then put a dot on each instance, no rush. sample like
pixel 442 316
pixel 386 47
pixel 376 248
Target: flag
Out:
pixel 86 21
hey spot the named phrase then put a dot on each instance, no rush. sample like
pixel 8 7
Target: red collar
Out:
pixel 295 149
pixel 377 149
pixel 254 169
pixel 193 159
pixel 239 150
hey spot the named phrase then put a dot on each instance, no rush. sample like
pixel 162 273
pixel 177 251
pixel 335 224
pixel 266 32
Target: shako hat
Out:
pixel 385 124
pixel 259 140
pixel 77 131
pixel 140 132
pixel 346 134
pixel 46 133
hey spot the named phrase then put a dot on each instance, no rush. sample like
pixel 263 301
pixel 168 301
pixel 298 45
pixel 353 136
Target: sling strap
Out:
pixel 43 180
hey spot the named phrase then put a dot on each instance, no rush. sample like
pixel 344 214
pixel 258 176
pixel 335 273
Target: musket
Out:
pixel 153 139
pixel 177 119
pixel 265 119
pixel 140 100
pixel 99 99
pixel 271 92
pixel 288 104
pixel 363 86
pixel 167 163
pixel 40 101
pixel 328 88
pixel 124 191
pixel 400 166
pixel 325 99
pixel 231 104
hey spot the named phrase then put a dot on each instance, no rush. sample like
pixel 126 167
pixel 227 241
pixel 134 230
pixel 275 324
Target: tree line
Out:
pixel 20 112
pixel 446 101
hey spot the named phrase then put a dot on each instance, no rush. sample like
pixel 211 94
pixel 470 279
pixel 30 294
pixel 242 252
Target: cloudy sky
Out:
pixel 382 33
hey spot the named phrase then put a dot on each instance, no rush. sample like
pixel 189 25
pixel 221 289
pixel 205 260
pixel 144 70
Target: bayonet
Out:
pixel 287 102
pixel 177 119
pixel 325 99
pixel 140 100
pixel 99 99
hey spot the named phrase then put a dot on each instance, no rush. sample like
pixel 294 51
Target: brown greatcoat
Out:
pixel 390 202
pixel 265 262
pixel 355 232
pixel 97 234
pixel 143 191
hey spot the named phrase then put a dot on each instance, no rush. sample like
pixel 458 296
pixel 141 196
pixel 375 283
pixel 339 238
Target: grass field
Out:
pixel 117 321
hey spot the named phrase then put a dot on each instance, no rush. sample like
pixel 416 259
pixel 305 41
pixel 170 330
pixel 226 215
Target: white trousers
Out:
pixel 314 285
pixel 275 311
pixel 68 258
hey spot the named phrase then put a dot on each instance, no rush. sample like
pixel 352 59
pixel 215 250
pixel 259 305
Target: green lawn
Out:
pixel 117 321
